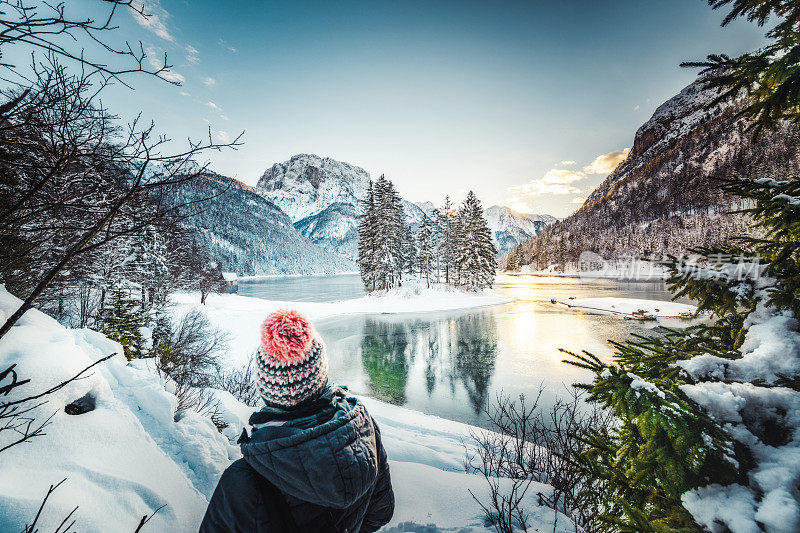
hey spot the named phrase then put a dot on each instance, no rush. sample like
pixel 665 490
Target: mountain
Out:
pixel 322 197
pixel 428 208
pixel 510 228
pixel 250 234
pixel 665 197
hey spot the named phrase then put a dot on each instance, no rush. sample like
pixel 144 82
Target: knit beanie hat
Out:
pixel 291 362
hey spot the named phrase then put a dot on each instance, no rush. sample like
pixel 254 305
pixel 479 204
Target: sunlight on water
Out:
pixel 451 363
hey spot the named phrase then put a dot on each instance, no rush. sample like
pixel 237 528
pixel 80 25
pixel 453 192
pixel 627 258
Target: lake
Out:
pixel 452 363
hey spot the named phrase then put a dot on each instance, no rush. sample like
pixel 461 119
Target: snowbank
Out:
pixel 241 316
pixel 632 308
pixel 122 460
pixel 133 454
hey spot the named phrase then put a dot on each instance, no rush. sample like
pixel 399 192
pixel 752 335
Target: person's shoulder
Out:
pixel 238 475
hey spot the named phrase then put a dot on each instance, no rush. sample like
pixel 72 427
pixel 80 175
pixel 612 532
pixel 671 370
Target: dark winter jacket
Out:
pixel 331 477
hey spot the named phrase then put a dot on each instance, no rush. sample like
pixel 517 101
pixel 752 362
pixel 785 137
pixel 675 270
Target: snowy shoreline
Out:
pixel 241 316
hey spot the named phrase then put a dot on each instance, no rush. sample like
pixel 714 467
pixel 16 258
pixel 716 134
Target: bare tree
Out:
pixel 81 182
pixel 186 353
pixel 530 445
pixel 47 27
pixel 240 382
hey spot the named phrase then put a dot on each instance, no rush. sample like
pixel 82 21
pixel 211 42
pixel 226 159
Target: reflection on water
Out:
pixel 455 352
pixel 384 354
pixel 451 363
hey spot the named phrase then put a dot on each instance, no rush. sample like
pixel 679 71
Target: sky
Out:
pixel 529 104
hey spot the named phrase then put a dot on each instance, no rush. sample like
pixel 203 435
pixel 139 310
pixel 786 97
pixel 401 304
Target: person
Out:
pixel 314 461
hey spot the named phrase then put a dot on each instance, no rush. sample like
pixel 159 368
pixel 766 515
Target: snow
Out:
pixel 631 307
pixel 241 316
pixel 230 276
pixel 639 384
pixel 133 453
pixel 733 504
pixel 771 350
pixel 122 460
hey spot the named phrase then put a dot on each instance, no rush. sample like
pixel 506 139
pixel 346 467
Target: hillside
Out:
pixel 664 198
pixel 250 235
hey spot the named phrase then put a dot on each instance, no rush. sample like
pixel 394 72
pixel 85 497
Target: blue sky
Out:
pixel 442 97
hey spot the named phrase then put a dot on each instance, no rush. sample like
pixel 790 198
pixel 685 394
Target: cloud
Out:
pixel 184 93
pixel 230 48
pixel 209 81
pixel 556 181
pixel 213 106
pixel 154 17
pixel 565 163
pixel 155 58
pixel 222 136
pixel 192 55
pixel 578 200
pixel 606 163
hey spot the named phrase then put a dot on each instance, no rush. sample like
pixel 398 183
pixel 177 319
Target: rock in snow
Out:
pixel 134 454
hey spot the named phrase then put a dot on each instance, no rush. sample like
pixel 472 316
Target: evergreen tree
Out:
pixel 382 238
pixel 769 76
pixel 410 252
pixel 367 240
pixel 474 251
pixel 121 319
pixel 704 428
pixel 512 260
pixel 426 250
pixel 446 237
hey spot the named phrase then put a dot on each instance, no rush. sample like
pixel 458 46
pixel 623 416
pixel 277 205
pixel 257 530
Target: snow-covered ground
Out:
pixel 133 453
pixel 241 316
pixel 631 307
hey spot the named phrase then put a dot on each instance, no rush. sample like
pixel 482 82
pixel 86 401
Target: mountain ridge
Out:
pixel 665 198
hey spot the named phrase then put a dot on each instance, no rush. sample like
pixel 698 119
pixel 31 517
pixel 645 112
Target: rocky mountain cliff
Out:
pixel 510 228
pixel 664 198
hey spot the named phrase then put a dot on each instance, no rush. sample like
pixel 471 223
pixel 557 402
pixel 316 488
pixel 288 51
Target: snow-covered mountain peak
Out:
pixel 307 184
pixel 510 228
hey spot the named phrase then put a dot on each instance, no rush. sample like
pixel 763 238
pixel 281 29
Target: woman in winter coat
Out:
pixel 315 461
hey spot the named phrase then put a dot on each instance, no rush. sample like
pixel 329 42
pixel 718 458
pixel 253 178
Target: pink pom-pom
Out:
pixel 286 335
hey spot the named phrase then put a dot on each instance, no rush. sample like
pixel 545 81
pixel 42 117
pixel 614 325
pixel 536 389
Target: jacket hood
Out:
pixel 331 465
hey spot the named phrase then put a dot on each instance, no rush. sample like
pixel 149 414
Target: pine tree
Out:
pixel 382 238
pixel 410 252
pixel 367 240
pixel 474 251
pixel 446 237
pixel 512 260
pixel 121 319
pixel 705 432
pixel 426 250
